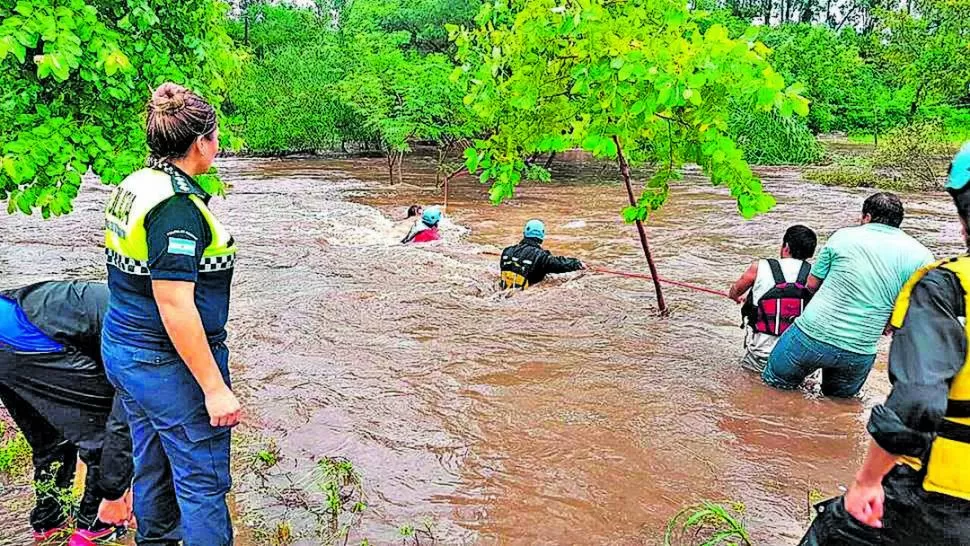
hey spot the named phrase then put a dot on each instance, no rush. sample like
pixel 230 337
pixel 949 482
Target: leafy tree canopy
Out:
pixel 599 74
pixel 74 79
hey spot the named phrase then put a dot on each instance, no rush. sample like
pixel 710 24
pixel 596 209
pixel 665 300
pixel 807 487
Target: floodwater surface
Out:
pixel 570 413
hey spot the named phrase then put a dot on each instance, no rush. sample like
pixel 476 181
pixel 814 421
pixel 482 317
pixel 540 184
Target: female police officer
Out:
pixel 170 265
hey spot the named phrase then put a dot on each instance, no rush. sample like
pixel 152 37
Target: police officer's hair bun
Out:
pixel 169 98
pixel 176 117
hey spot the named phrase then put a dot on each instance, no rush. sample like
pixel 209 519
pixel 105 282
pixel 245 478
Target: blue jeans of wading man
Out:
pixel 796 356
pixel 181 462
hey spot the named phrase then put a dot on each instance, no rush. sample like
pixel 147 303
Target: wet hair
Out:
pixel 176 117
pixel 414 210
pixel 801 242
pixel 884 208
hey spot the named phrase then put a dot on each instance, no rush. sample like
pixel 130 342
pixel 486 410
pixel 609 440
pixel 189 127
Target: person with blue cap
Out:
pixel 426 229
pixel 527 263
pixel 914 487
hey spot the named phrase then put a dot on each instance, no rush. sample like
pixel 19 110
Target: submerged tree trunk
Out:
pixel 246 19
pixel 552 156
pixel 625 172
pixel 390 166
pixel 439 165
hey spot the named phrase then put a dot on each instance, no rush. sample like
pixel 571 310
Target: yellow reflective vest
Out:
pixel 948 461
pixel 125 237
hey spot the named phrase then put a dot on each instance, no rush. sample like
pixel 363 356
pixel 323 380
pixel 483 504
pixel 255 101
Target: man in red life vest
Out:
pixel 776 295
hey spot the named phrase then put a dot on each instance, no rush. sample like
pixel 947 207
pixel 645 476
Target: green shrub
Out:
pixel 911 158
pixel 845 175
pixel 916 156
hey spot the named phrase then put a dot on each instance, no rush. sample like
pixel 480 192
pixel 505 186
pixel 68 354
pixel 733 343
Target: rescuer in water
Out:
pixel 527 263
pixel 426 229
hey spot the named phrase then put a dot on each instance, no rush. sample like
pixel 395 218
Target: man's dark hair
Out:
pixel 884 208
pixel 414 210
pixel 801 242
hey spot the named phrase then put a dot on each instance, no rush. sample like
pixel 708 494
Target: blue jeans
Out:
pixel 796 356
pixel 181 461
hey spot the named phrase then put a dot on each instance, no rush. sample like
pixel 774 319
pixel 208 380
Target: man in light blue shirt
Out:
pixel 857 276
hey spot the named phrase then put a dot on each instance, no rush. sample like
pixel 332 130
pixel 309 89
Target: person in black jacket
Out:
pixel 527 263
pixel 53 384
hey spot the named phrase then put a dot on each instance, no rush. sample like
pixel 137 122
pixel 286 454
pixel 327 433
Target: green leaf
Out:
pixel 627 70
pixel 471 160
pixel 665 95
pixel 10 168
pixel 766 96
pixel 608 148
pixel 45 197
pixel 787 107
pixel 103 144
pixel 631 214
pixel 24 203
pixel 24 8
pixel 676 17
pixel 695 97
pixel 796 88
pixel 591 142
pixel 19 51
pixel 716 33
pixel 58 67
pixel 12 201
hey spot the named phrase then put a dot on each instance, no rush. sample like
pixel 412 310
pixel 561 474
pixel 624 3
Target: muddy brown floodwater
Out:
pixel 566 414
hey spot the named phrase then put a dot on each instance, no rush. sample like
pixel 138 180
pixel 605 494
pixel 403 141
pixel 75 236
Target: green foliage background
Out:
pixel 373 75
pixel 366 74
pixel 75 76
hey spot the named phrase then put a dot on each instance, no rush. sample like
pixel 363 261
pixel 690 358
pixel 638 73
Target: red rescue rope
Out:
pixel 688 286
pixel 661 279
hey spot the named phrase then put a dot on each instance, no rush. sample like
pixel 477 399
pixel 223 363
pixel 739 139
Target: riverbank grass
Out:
pixel 15 453
pixel 708 523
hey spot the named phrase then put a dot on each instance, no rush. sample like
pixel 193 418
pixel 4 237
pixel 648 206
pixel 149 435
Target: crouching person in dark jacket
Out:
pixel 527 263
pixel 52 382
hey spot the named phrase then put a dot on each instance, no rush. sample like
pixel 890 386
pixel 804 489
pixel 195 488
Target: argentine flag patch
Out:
pixel 182 247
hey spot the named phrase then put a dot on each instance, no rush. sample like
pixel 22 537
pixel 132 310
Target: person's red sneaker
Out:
pixel 43 536
pixel 83 537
